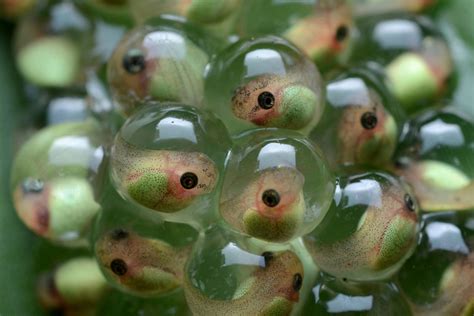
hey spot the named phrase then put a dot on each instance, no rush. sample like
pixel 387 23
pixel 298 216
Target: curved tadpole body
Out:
pixel 163 180
pixel 142 266
pixel 456 291
pixel 270 207
pixel 271 290
pixel 383 235
pixel 325 33
pixel 276 101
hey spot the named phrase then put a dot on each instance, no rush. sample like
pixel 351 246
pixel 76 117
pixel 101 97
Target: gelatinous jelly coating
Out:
pixel 331 296
pixel 271 290
pixel 277 185
pixel 198 11
pixel 378 229
pixel 76 282
pixel 416 57
pixel 435 158
pixel 162 180
pixel 139 265
pixel 264 82
pixel 320 28
pixel 371 7
pixel 357 128
pixel 156 62
pixel 60 210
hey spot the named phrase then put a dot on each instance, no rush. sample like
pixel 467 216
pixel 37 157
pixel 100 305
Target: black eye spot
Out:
pixel 268 256
pixel 31 185
pixel 410 204
pixel 297 282
pixel 341 33
pixel 266 100
pixel 271 198
pixel 368 120
pixel 344 279
pixel 134 61
pixel 118 266
pixel 189 180
pixel 119 234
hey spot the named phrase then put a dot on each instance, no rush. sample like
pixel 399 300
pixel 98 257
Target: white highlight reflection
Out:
pixel 275 154
pixel 351 91
pixel 234 255
pixel 264 61
pixel 440 133
pixel 445 236
pixel 364 192
pixel 398 34
pixel 163 44
pixel 71 150
pixel 175 128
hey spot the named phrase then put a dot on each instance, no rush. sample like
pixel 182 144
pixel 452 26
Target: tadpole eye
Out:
pixel 410 204
pixel 119 234
pixel 266 100
pixel 189 180
pixel 368 120
pixel 134 61
pixel 31 185
pixel 297 282
pixel 341 33
pixel 118 266
pixel 267 256
pixel 271 198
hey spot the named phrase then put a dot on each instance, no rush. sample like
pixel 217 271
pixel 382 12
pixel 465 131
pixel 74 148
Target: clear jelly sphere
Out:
pixel 264 82
pixel 377 228
pixel 162 60
pixel 435 157
pixel 138 252
pixel 50 45
pixel 362 121
pixel 320 28
pixel 331 296
pixel 228 273
pixel 51 180
pixel 169 159
pixel 416 57
pixel 438 277
pixel 277 185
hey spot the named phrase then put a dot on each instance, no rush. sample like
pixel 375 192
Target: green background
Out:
pixel 23 256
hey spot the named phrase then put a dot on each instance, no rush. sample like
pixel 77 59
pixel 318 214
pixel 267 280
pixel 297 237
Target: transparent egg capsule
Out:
pixel 437 279
pixel 50 43
pixel 138 252
pixel 169 158
pixel 435 157
pixel 416 57
pixel 377 228
pixel 75 285
pixel 264 82
pixel 375 7
pixel 360 125
pixel 332 296
pixel 277 185
pixel 227 275
pixel 51 180
pixel 204 12
pixel 162 60
pixel 15 9
pixel 320 28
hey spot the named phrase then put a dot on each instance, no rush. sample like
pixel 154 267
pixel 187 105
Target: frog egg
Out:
pixel 377 220
pixel 332 296
pixel 322 29
pixel 162 60
pixel 435 157
pixel 138 252
pixel 417 60
pixel 51 181
pixel 49 43
pixel 378 7
pixel 277 185
pixel 360 125
pixel 169 159
pixel 264 82
pixel 198 11
pixel 227 272
pixel 437 279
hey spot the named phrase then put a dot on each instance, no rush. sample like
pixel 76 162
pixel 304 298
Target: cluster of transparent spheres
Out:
pixel 238 181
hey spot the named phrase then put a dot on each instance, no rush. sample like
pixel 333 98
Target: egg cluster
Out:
pixel 246 157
